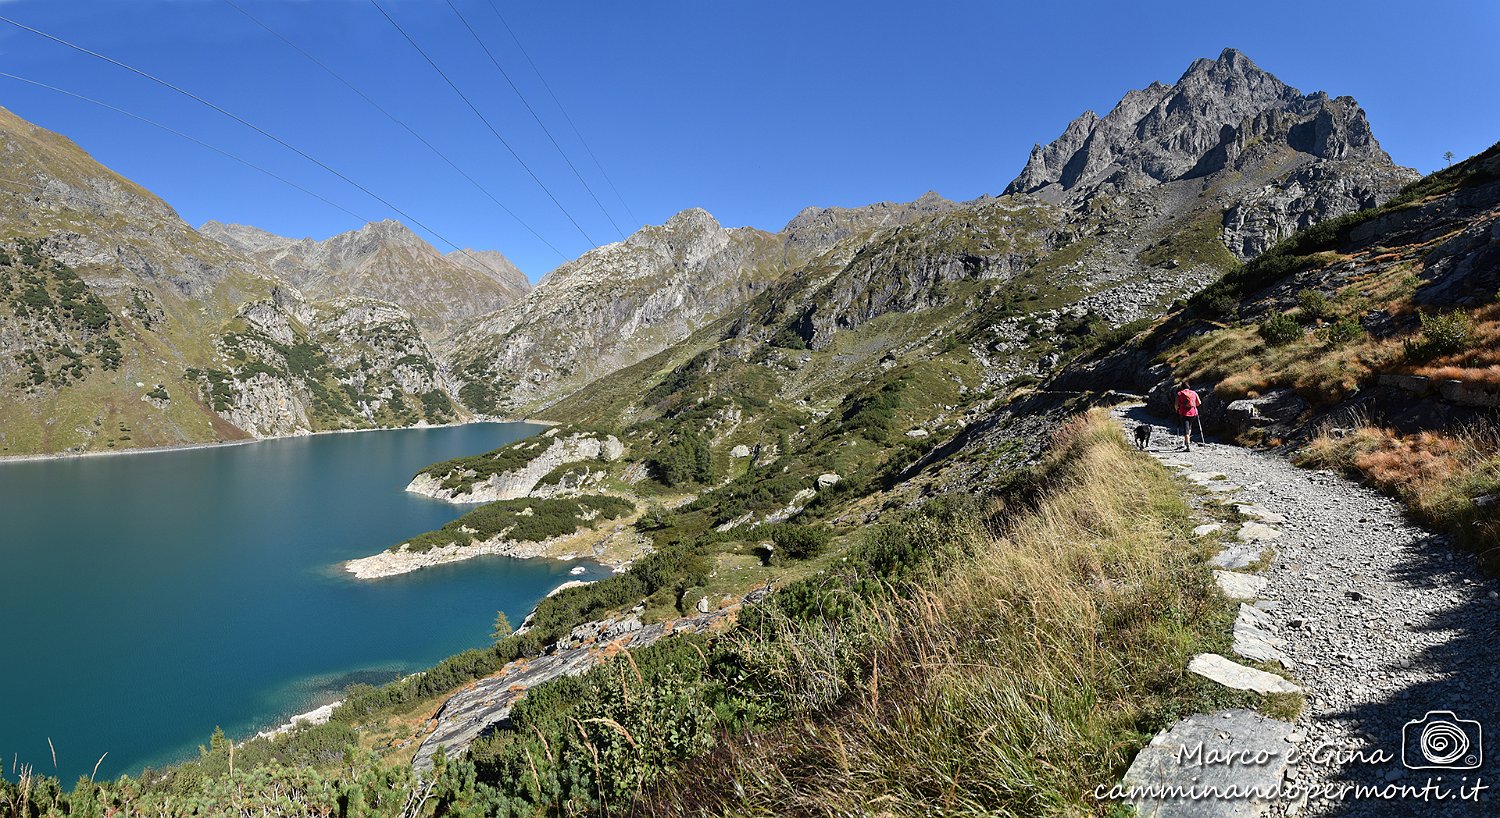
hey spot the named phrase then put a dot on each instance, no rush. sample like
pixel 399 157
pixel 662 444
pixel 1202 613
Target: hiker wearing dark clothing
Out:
pixel 1186 404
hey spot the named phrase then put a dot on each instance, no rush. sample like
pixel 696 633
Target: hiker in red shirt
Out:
pixel 1187 404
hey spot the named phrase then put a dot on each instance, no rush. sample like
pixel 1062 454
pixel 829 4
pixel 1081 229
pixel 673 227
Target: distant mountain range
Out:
pixel 250 333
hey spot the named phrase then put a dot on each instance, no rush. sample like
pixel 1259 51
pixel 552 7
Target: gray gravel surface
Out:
pixel 1384 622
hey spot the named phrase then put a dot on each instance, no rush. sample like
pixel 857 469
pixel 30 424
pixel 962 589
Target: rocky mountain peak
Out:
pixel 693 219
pixel 349 246
pixel 1161 133
pixel 816 229
pixel 246 237
pixel 385 260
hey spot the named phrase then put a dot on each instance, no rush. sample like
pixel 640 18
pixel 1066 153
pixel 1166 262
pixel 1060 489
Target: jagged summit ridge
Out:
pixel 1196 126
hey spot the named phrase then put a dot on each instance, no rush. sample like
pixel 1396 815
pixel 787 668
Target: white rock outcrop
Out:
pixel 512 485
pixel 402 561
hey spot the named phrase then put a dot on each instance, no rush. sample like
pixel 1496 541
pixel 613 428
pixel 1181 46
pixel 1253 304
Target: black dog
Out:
pixel 1142 436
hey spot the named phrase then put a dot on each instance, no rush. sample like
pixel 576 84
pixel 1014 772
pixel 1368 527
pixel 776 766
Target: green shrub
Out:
pixel 800 542
pixel 1443 333
pixel 1280 329
pixel 524 520
pixel 1219 300
pixel 1344 331
pixel 685 459
pixel 787 338
pixel 436 405
pixel 1314 306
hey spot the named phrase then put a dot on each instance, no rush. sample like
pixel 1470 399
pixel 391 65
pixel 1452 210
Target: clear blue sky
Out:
pixel 752 110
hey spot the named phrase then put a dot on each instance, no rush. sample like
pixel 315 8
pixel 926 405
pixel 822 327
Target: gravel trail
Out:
pixel 1383 623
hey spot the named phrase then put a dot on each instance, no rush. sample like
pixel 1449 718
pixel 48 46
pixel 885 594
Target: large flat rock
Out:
pixel 1259 747
pixel 1255 638
pixel 1230 673
pixel 1256 511
pixel 486 703
pixel 1252 531
pixel 1239 555
pixel 1236 585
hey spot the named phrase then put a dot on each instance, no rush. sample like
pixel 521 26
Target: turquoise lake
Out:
pixel 147 598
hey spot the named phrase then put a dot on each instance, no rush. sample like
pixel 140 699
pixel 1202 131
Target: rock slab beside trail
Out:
pixel 1236 585
pixel 1240 677
pixel 482 705
pixel 1180 758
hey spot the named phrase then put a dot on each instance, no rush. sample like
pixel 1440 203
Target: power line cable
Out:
pixel 392 117
pixel 482 118
pixel 188 137
pixel 564 110
pixel 495 62
pixel 248 124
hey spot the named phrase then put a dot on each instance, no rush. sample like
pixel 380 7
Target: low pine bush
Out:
pixel 1443 333
pixel 1344 331
pixel 1313 306
pixel 1280 329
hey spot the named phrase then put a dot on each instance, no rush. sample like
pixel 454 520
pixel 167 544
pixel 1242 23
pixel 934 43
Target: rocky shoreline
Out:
pixel 317 715
pixel 395 563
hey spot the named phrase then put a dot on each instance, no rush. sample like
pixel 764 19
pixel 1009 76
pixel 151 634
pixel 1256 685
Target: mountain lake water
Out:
pixel 147 598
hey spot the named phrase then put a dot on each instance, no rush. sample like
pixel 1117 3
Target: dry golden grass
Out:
pixel 1020 682
pixel 1438 476
pixel 1479 365
pixel 1243 365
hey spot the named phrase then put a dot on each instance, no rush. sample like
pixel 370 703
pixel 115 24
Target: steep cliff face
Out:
pixel 125 327
pixel 1388 316
pixel 289 367
pixel 1116 218
pixel 1224 115
pixel 612 307
pixel 386 261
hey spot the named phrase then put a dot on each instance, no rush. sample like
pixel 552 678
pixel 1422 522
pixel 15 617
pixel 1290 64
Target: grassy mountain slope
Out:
pixel 122 327
pixel 1370 340
pixel 813 700
pixel 889 368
